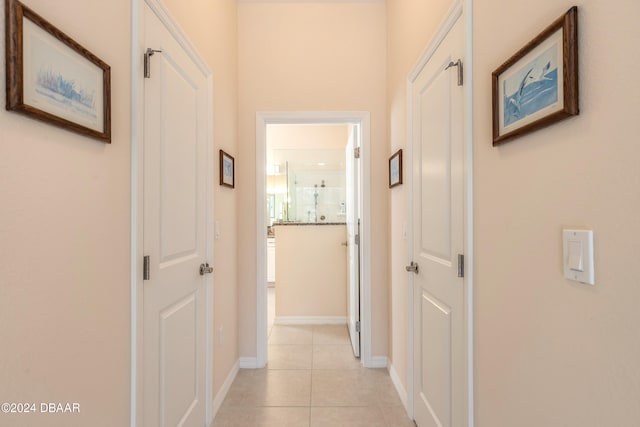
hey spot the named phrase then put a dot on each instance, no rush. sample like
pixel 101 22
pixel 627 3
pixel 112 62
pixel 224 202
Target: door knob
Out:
pixel 205 269
pixel 412 267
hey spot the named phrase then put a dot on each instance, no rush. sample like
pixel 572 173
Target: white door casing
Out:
pixel 352 166
pixel 312 117
pixel 171 354
pixel 439 314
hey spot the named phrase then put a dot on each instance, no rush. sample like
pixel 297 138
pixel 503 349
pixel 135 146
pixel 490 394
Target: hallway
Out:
pixel 312 380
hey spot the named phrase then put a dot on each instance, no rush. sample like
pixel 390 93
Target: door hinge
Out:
pixel 458 64
pixel 413 267
pixel 205 269
pixel 147 61
pixel 146 267
pixel 357 238
pixel 460 265
pixel 356 152
pixel 358 326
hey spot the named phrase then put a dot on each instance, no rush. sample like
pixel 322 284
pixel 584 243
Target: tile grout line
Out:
pixel 313 330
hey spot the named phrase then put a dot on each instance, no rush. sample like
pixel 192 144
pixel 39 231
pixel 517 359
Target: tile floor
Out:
pixel 312 380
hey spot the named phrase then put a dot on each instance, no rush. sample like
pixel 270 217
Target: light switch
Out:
pixel 575 255
pixel 578 255
pixel 216 230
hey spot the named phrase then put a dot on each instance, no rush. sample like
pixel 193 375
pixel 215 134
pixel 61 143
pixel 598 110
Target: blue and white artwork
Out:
pixel 60 81
pixel 227 170
pixel 531 88
pixel 66 92
pixel 395 170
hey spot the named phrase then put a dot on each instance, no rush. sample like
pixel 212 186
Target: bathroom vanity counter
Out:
pixel 311 272
pixel 306 223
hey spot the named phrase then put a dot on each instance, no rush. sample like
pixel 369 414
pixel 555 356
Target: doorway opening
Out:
pixel 306 177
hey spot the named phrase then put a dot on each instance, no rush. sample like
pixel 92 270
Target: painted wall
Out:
pixel 212 28
pixel 542 341
pixel 64 242
pixel 311 271
pixel 548 351
pixel 411 24
pixel 311 56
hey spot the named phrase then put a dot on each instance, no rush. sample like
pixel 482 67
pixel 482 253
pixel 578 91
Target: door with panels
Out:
pixel 438 214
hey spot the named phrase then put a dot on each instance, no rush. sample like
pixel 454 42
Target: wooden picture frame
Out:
pixel 227 170
pixel 538 86
pixel 395 169
pixel 51 78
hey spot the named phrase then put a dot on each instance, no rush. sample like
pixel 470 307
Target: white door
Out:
pixel 353 248
pixel 175 232
pixel 437 127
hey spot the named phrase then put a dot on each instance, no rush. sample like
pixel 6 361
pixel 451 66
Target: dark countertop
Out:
pixel 308 223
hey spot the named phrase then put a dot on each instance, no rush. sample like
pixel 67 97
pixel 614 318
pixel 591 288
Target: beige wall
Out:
pixel 543 342
pixel 548 351
pixel 64 242
pixel 313 137
pixel 308 56
pixel 411 24
pixel 211 27
pixel 311 271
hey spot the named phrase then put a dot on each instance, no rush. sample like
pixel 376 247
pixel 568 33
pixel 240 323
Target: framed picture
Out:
pixel 227 170
pixel 395 169
pixel 52 78
pixel 538 85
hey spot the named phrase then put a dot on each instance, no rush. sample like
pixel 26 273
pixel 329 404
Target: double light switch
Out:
pixel 578 255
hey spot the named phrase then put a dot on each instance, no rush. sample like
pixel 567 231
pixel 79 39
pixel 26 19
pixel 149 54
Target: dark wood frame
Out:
pixel 233 163
pixel 569 24
pixel 15 13
pixel 397 154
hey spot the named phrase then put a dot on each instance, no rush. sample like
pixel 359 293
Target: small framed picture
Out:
pixel 52 78
pixel 227 170
pixel 395 169
pixel 538 85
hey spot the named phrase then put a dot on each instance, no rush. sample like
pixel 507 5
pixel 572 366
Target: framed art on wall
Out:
pixel 227 170
pixel 52 78
pixel 395 169
pixel 538 85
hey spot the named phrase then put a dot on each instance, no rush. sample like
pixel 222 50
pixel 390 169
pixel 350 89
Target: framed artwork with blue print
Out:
pixel 538 86
pixel 52 78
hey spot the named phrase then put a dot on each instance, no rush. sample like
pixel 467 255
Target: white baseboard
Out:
pixel 222 394
pixel 398 385
pixel 310 320
pixel 248 363
pixel 378 362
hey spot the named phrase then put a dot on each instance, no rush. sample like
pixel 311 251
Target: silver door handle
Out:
pixel 205 269
pixel 412 267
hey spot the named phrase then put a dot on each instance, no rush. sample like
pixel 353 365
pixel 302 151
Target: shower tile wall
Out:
pixel 331 198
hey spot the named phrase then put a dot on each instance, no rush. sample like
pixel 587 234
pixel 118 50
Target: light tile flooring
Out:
pixel 312 380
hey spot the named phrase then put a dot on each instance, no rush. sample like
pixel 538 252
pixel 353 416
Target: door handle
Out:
pixel 412 267
pixel 205 269
pixel 345 243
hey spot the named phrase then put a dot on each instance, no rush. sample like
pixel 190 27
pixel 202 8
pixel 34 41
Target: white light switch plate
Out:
pixel 578 255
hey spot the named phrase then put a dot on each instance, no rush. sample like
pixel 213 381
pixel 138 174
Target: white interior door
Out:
pixel 176 168
pixel 353 248
pixel 438 186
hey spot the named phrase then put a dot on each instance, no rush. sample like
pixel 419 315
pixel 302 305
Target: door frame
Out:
pixel 137 205
pixel 313 117
pixel 461 10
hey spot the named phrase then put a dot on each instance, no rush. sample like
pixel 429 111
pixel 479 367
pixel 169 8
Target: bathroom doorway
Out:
pixel 304 192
